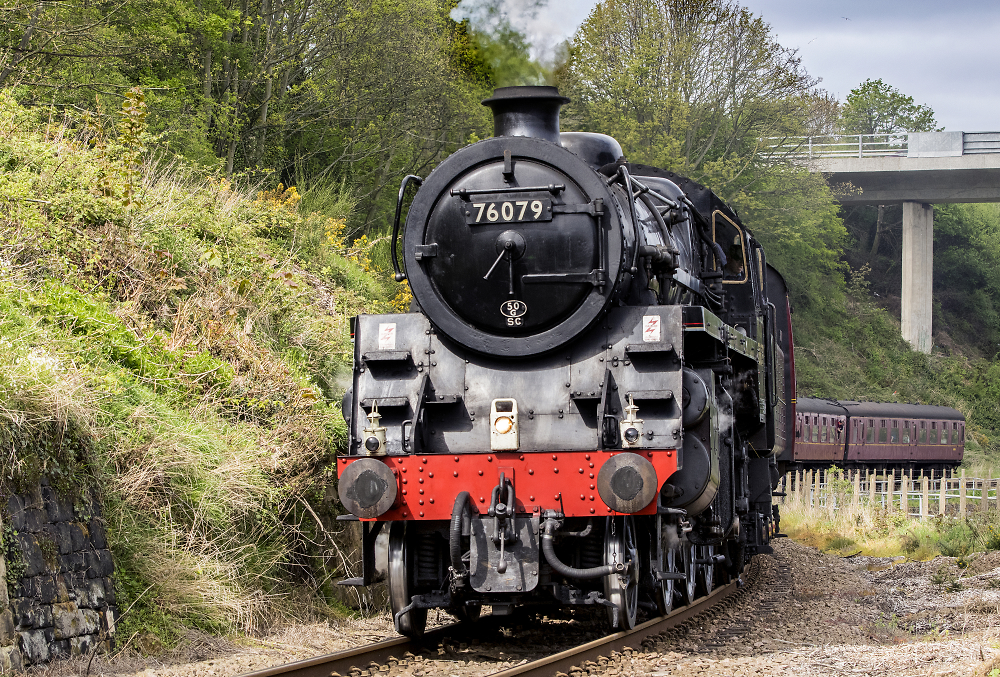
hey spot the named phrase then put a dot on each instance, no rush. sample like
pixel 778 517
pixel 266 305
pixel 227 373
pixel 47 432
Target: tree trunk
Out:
pixel 25 42
pixel 879 228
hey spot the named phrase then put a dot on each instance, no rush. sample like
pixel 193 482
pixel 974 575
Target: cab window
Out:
pixel 730 242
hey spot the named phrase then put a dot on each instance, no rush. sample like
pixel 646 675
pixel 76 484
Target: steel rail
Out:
pixel 342 662
pixel 361 657
pixel 572 659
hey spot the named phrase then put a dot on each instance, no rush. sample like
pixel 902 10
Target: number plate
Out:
pixel 479 212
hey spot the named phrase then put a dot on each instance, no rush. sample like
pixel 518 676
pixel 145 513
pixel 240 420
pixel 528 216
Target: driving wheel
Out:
pixel 622 589
pixel 413 622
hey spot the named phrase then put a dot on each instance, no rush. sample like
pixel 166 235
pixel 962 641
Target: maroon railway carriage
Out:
pixel 876 435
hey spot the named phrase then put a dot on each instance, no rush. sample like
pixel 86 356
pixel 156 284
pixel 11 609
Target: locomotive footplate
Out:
pixel 510 568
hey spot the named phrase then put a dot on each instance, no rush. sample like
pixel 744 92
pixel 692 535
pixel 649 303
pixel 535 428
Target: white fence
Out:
pixel 918 495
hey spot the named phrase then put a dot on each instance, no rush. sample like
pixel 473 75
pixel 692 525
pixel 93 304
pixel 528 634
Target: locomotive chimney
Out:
pixel 526 111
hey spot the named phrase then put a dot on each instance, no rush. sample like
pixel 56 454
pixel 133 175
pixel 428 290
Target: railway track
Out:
pixel 368 659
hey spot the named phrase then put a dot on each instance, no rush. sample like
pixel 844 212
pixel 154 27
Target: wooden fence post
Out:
pixel 925 504
pixel 856 499
pixel 984 495
pixel 961 496
pixel 904 494
pixel 871 488
pixel 815 488
pixel 943 498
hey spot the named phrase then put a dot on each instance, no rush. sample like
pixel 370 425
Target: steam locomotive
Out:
pixel 587 400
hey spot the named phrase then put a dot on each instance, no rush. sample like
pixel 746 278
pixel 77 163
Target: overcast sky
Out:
pixel 945 55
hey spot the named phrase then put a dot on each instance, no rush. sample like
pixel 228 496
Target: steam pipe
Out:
pixel 551 526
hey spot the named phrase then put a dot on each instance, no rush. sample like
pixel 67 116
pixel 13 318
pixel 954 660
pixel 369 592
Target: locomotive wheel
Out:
pixel 413 622
pixel 706 569
pixel 688 588
pixel 622 590
pixel 666 552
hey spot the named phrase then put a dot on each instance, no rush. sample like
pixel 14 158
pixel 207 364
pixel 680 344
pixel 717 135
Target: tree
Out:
pixel 685 83
pixel 877 108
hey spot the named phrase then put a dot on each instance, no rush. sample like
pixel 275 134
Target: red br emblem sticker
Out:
pixel 651 328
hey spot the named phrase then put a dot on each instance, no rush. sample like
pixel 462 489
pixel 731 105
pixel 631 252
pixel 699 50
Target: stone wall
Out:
pixel 62 594
pixel 10 654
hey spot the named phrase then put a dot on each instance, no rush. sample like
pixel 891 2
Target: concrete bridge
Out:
pixel 916 170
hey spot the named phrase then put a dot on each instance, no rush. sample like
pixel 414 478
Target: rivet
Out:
pixel 592 497
pixel 456 459
pixel 421 513
pixel 582 497
pixel 650 454
pixel 421 491
pixel 591 475
pixel 455 473
pixel 404 492
pixel 431 500
pixel 553 457
pixel 480 473
pixel 531 498
pixel 489 459
pixel 581 471
pixel 669 453
pixel 530 472
pixel 404 469
pixel 404 513
pixel 420 468
pixel 557 497
pixel 421 480
pixel 423 460
pixel 591 487
pixel 430 474
pixel 609 509
pixel 567 385
pixel 591 465
pixel 482 500
pixel 587 456
pixel 521 457
pixel 591 511
pixel 405 480
pixel 421 501
pixel 555 470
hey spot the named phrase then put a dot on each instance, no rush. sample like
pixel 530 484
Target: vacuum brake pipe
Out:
pixel 551 526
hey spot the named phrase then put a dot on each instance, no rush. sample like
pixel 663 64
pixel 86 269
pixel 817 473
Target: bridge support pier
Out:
pixel 918 274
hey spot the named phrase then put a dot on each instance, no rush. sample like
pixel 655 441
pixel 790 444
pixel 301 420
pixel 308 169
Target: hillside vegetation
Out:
pixel 185 335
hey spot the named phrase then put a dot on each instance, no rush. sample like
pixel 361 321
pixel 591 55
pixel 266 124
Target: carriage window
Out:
pixel 922 435
pixel 815 432
pixel 961 429
pixel 894 433
pixel 883 433
pixel 870 432
pixel 822 432
pixel 954 433
pixel 934 436
pixel 729 238
pixel 906 432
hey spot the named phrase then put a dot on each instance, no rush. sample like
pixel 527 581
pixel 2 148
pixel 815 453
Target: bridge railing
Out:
pixel 833 146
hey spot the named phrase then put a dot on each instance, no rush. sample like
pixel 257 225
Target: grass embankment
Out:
pixel 191 331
